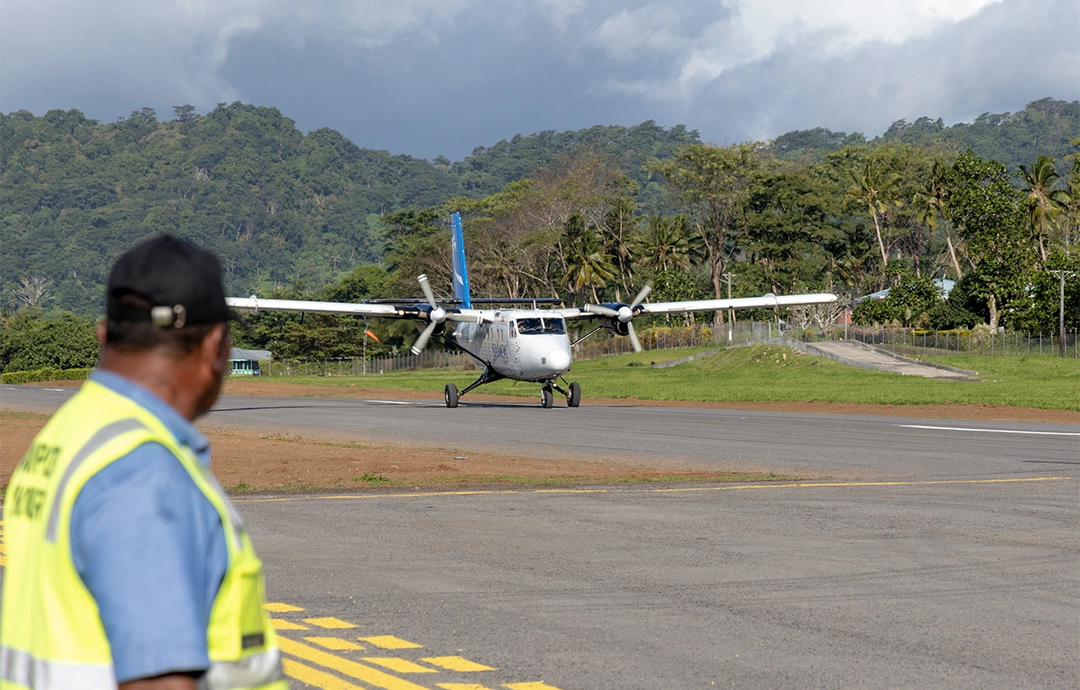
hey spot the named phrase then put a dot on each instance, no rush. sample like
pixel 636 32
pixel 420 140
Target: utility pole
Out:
pixel 1062 275
pixel 731 312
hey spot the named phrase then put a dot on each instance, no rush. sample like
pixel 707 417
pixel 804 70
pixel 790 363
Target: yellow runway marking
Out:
pixel 278 607
pixel 456 663
pixel 335 643
pixel 462 686
pixel 736 487
pixel 367 674
pixel 390 642
pixel 398 665
pixel 330 623
pixel 281 624
pixel 315 677
pixel 539 685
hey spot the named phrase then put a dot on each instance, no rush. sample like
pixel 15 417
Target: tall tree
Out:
pixel 874 189
pixel 929 205
pixel 713 184
pixel 1042 203
pixel 588 265
pixel 666 244
pixel 985 209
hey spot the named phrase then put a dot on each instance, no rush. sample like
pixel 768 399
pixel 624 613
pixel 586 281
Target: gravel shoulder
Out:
pixel 248 461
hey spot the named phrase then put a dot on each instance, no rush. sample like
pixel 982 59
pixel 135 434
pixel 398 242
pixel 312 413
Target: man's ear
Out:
pixel 213 344
pixel 101 332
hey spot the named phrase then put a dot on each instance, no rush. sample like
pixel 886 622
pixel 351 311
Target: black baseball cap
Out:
pixel 181 281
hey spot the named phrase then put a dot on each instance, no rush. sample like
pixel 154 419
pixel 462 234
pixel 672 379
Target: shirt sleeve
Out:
pixel 151 549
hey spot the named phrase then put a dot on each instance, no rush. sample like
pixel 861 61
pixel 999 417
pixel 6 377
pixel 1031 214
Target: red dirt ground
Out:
pixel 253 461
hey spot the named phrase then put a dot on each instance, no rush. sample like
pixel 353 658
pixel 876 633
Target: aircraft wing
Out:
pixel 765 301
pixel 385 311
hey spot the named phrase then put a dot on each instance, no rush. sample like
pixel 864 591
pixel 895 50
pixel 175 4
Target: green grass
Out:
pixel 774 373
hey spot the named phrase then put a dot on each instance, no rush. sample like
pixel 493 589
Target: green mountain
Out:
pixel 278 206
pixel 1042 127
pixel 284 208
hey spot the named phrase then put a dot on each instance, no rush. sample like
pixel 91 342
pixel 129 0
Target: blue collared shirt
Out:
pixel 150 548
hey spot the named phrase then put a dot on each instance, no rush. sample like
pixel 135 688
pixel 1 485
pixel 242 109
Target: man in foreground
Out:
pixel 126 563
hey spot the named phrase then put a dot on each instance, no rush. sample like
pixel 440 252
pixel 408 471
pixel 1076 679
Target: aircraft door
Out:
pixel 513 346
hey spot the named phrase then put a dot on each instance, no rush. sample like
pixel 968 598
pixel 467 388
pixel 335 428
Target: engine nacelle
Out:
pixel 614 326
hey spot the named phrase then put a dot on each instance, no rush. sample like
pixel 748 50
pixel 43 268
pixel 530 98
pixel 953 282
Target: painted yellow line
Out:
pixel 390 642
pixel 461 686
pixel 279 607
pixel 398 665
pixel 330 623
pixel 816 485
pixel 282 624
pixel 456 663
pixel 734 487
pixel 3 561
pixel 334 643
pixel 315 677
pixel 539 685
pixel 361 672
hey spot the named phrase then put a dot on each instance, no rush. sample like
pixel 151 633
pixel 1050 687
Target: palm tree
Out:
pixel 667 244
pixel 588 265
pixel 619 224
pixel 929 205
pixel 872 189
pixel 1042 202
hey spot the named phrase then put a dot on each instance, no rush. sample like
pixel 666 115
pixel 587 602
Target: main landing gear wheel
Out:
pixel 547 399
pixel 451 395
pixel 573 398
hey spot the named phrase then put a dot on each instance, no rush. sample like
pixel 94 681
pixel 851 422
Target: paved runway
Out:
pixel 942 554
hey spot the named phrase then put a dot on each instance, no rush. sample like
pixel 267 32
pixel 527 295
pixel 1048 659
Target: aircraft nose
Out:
pixel 559 360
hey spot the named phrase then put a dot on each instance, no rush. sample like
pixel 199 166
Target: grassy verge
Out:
pixel 774 373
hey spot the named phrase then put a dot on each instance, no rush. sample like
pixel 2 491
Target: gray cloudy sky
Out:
pixel 430 77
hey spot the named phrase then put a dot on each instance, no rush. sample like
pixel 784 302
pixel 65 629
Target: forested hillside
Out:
pixel 588 215
pixel 1043 127
pixel 278 206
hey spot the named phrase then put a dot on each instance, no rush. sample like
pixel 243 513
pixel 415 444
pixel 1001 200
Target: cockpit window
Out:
pixel 541 325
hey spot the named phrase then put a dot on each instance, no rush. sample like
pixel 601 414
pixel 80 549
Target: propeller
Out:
pixel 625 314
pixel 436 316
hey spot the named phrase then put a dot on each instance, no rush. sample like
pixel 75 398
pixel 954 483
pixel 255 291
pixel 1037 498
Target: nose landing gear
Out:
pixel 547 395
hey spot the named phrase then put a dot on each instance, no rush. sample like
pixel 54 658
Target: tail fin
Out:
pixel 461 270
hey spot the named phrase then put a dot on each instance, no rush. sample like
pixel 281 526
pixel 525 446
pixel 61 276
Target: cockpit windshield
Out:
pixel 541 325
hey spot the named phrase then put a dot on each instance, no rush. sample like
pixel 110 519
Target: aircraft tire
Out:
pixel 451 395
pixel 573 398
pixel 547 399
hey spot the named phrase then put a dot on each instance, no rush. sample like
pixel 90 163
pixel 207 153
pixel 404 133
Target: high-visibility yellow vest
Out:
pixel 51 635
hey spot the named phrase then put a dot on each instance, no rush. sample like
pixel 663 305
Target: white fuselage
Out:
pixel 524 345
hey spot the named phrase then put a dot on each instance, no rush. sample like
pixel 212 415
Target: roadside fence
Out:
pixel 910 342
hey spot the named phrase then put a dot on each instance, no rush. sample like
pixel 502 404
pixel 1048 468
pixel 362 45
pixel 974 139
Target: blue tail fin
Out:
pixel 461 271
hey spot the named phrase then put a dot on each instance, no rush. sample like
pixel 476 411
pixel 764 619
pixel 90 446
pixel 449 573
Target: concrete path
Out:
pixel 864 356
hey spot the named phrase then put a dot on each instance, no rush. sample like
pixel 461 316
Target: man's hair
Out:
pixel 134 336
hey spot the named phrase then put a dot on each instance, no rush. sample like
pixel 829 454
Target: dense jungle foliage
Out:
pixel 589 216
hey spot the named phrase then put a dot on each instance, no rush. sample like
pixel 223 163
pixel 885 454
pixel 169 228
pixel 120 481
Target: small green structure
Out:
pixel 246 362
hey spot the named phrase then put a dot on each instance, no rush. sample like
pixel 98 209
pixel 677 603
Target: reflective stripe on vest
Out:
pixel 103 436
pixel 254 670
pixel 21 668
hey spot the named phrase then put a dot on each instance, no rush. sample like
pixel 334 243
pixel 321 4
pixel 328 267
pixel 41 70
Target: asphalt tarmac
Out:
pixel 918 553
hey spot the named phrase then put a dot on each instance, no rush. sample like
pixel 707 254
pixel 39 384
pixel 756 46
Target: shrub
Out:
pixel 48 374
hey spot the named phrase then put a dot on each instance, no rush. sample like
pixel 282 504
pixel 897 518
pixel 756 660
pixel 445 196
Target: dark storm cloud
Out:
pixel 430 77
pixel 1003 58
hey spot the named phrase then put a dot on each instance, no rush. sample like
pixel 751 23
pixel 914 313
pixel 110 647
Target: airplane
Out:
pixel 530 345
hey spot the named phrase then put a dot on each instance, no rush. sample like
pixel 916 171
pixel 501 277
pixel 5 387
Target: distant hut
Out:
pixel 246 362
